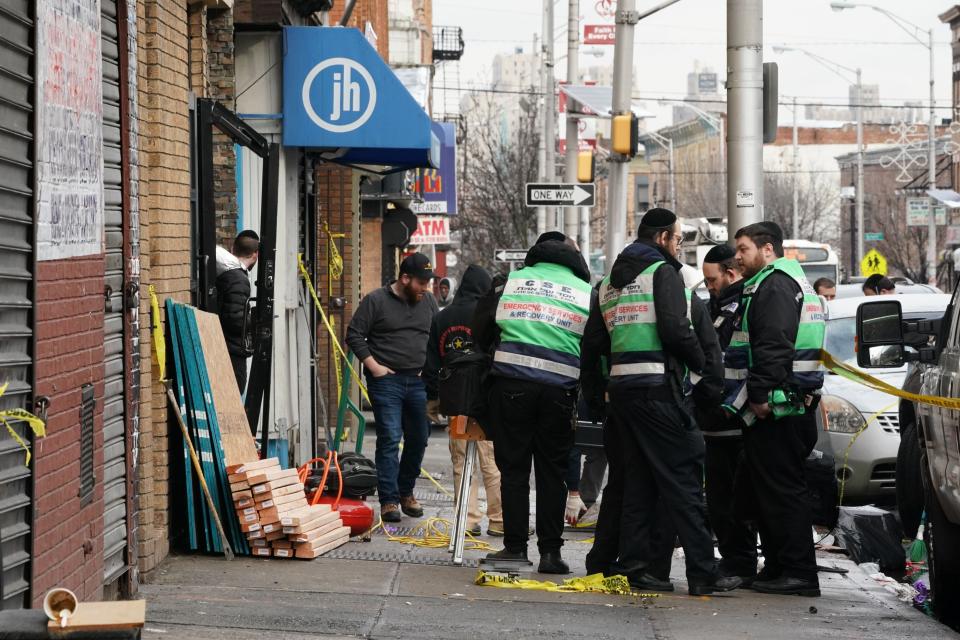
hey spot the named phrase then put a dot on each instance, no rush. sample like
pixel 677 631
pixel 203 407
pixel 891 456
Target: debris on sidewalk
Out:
pixel 869 534
pixel 596 583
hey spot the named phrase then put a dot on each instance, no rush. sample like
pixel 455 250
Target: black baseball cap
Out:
pixel 417 265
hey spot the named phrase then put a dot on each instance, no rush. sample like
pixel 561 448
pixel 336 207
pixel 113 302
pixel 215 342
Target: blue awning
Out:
pixel 339 96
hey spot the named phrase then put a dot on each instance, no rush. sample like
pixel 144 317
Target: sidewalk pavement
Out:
pixel 382 589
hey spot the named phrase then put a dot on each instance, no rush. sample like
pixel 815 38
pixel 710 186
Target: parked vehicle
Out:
pixel 865 463
pixel 931 434
pixel 853 287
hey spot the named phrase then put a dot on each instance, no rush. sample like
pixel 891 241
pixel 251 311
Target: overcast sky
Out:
pixel 668 44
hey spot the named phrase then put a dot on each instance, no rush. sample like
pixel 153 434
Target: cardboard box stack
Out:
pixel 275 516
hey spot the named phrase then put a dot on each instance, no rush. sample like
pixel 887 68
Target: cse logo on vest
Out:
pixel 339 95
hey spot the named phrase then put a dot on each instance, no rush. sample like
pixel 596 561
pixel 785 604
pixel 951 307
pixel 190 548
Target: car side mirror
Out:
pixel 880 334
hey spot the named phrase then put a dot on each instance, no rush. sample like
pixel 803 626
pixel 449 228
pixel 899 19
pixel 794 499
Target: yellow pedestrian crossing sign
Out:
pixel 872 263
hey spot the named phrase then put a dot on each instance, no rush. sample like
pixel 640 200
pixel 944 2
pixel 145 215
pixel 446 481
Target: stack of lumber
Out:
pixel 275 517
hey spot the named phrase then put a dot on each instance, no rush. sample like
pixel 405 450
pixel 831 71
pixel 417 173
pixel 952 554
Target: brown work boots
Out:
pixel 410 506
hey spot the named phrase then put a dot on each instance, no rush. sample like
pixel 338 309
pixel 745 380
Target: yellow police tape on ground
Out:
pixel 861 377
pixel 596 583
pixel 35 423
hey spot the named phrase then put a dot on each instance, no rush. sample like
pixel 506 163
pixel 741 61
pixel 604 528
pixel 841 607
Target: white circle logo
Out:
pixel 343 112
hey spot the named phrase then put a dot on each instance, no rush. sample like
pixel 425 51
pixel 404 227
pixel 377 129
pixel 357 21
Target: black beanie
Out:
pixel 658 218
pixel 551 235
pixel 719 253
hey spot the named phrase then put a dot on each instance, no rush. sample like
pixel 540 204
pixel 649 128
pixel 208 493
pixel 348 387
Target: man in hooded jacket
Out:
pixel 653 347
pixel 451 332
pixel 233 289
pixel 533 324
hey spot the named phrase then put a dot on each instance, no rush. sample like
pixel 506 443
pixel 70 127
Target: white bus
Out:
pixel 817 259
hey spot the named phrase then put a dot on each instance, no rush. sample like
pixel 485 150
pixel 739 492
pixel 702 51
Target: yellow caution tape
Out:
pixel 338 349
pixel 38 426
pixel 159 344
pixel 596 583
pixel 856 375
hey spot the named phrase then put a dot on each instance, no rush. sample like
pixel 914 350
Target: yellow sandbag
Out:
pixel 596 583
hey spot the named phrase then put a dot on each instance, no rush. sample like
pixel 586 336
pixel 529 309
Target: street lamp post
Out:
pixel 838 69
pixel 913 31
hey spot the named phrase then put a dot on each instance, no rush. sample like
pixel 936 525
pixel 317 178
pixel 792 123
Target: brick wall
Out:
pixel 67 537
pixel 164 78
pixel 222 87
pixel 199 50
pixel 372 11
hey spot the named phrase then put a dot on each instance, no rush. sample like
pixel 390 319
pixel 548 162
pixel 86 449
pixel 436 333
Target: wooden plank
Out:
pixel 308 552
pixel 271 476
pixel 249 527
pixel 275 535
pixel 282 502
pixel 275 493
pixel 313 534
pixel 244 467
pixel 238 444
pixel 273 485
pixel 262 551
pixel 305 515
pixel 244 502
pixel 104 616
pixel 281 544
pixel 283 553
pixel 313 523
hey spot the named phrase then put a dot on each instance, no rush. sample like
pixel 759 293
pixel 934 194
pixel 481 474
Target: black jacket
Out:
pixel 708 392
pixel 725 312
pixel 680 343
pixel 450 330
pixel 773 320
pixel 486 333
pixel 233 288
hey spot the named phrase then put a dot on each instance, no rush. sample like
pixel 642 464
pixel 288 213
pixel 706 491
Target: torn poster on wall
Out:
pixel 69 130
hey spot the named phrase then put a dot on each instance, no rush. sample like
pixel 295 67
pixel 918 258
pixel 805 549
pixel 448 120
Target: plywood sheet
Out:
pixel 238 444
pixel 105 616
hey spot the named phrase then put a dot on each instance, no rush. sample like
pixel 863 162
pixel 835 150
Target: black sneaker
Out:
pixel 551 562
pixel 475 530
pixel 647 582
pixel 510 556
pixel 718 584
pixel 786 585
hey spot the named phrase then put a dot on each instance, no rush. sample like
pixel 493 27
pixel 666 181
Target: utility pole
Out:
pixel 932 179
pixel 570 214
pixel 626 18
pixel 796 167
pixel 745 109
pixel 542 147
pixel 549 109
pixel 860 194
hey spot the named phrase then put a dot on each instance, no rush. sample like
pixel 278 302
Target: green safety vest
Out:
pixel 542 314
pixel 807 372
pixel 636 353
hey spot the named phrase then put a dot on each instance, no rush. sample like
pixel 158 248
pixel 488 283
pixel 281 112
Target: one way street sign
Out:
pixel 509 255
pixel 560 195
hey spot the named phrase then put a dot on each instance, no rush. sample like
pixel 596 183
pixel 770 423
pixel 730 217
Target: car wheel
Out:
pixel 943 561
pixel 909 481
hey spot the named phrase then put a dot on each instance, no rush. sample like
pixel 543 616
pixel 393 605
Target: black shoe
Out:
pixel 511 556
pixel 647 582
pixel 475 531
pixel 718 584
pixel 551 562
pixel 786 585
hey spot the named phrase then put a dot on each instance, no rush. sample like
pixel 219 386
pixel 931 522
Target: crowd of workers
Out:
pixel 691 395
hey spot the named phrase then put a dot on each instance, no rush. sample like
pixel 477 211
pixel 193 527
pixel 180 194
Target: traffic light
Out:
pixel 585 166
pixel 625 134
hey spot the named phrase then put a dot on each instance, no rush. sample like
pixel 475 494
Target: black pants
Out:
pixel 240 371
pixel 774 453
pixel 663 449
pixel 736 540
pixel 606 539
pixel 534 423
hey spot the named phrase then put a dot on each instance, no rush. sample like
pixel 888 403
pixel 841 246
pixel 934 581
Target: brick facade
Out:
pixel 67 537
pixel 199 51
pixel 222 87
pixel 164 80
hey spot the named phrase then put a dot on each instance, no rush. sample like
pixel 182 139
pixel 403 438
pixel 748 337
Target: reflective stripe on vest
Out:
pixel 636 353
pixel 807 372
pixel 542 314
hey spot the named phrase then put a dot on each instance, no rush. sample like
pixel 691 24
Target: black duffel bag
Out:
pixel 460 384
pixel 822 488
pixel 359 477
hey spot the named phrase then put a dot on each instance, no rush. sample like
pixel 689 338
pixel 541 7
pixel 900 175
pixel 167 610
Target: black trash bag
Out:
pixel 818 469
pixel 869 534
pixel 359 477
pixel 461 383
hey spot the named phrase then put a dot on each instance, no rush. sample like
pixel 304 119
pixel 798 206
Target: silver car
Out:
pixel 865 463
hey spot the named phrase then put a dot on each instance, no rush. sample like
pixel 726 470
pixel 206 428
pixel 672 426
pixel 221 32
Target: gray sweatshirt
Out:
pixel 391 329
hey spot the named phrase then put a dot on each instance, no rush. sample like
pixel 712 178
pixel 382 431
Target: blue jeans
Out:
pixel 400 410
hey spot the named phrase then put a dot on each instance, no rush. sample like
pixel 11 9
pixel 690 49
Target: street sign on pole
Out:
pixel 560 195
pixel 509 255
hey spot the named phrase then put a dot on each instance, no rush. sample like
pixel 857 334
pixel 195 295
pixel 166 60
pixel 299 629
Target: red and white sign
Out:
pixel 599 34
pixel 431 230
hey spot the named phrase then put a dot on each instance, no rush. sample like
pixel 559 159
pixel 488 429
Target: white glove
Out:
pixel 575 507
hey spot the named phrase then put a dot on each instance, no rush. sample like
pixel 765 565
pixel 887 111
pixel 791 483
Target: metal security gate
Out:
pixel 114 400
pixel 17 38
